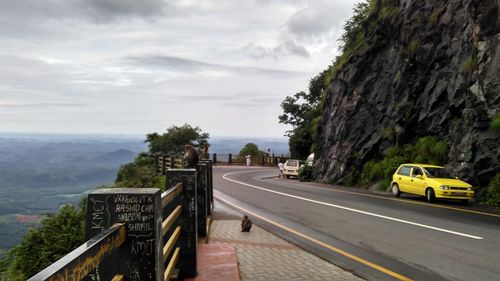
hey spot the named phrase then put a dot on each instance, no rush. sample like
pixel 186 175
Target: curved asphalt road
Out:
pixel 374 235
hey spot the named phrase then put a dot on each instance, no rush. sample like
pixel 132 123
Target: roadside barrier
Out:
pixel 141 233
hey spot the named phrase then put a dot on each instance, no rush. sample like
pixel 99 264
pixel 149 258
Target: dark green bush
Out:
pixel 493 193
pixel 305 173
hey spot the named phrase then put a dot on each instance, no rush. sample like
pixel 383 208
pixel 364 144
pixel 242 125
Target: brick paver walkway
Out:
pixel 264 256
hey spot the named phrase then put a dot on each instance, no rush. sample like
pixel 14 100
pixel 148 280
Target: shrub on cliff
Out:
pixel 140 173
pixel 495 124
pixel 305 173
pixel 427 150
pixel 493 193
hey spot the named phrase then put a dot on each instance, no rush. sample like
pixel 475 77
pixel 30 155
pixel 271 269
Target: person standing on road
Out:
pixel 248 157
pixel 280 168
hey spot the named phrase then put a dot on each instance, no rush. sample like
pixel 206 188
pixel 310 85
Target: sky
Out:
pixel 135 67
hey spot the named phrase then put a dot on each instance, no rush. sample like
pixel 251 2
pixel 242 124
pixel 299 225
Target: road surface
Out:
pixel 376 236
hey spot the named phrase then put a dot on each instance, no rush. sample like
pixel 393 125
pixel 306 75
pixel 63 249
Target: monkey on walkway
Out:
pixel 190 156
pixel 246 224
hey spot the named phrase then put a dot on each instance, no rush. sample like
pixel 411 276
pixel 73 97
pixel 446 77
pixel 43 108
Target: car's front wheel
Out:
pixel 395 190
pixel 429 195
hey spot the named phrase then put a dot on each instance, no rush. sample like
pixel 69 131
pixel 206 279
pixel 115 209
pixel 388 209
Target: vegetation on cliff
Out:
pixel 429 150
pixel 57 235
pixel 493 192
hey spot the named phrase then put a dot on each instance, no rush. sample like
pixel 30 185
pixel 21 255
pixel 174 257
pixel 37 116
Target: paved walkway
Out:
pixel 264 256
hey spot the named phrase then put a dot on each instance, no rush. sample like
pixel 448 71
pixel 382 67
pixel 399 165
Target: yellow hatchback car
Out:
pixel 429 181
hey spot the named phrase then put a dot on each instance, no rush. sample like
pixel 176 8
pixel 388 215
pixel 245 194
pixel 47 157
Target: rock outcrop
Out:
pixel 431 69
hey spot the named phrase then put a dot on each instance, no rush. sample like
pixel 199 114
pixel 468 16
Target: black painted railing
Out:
pixel 141 233
pixel 235 159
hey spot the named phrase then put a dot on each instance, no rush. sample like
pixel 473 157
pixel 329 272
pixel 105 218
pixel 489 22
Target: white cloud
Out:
pixel 126 66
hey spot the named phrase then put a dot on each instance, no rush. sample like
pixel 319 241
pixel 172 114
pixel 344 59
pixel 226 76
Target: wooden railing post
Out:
pixel 140 210
pixel 188 219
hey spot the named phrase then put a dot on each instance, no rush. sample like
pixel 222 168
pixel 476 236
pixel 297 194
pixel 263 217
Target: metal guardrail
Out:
pixel 141 233
pixel 235 159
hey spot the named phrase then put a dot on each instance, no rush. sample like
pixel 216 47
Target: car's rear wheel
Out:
pixel 429 195
pixel 395 190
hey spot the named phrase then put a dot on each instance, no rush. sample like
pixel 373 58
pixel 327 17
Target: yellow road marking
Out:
pixel 323 244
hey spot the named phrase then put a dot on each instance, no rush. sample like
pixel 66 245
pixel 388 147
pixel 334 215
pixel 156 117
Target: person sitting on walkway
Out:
pixel 246 224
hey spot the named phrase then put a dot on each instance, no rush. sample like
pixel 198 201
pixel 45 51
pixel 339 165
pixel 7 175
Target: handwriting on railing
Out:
pixel 126 228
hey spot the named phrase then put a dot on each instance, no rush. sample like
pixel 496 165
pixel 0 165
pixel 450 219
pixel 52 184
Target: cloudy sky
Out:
pixel 134 67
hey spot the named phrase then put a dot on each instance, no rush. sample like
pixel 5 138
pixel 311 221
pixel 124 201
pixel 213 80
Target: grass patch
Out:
pixel 495 124
pixel 388 12
pixel 426 150
pixel 493 193
pixel 470 64
pixel 413 46
pixel 435 16
pixel 389 134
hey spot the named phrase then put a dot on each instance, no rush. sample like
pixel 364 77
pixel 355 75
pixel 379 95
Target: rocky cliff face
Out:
pixel 432 69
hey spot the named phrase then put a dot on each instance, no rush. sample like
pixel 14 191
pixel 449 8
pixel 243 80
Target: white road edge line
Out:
pixel 351 209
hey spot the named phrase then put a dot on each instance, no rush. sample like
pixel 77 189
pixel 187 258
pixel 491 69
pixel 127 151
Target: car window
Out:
pixel 439 173
pixel 293 163
pixel 416 171
pixel 405 171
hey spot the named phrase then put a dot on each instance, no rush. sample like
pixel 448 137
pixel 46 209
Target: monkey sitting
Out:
pixel 204 152
pixel 246 224
pixel 190 156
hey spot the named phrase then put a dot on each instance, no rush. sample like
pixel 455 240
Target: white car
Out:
pixel 291 168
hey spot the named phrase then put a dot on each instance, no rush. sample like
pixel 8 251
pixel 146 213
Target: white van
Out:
pixel 291 168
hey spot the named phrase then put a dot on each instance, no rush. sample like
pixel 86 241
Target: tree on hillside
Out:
pixel 300 111
pixel 57 235
pixel 250 149
pixel 173 140
pixel 253 150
